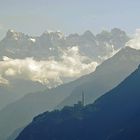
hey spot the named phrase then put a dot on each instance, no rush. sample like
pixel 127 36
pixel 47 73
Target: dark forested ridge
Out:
pixel 114 116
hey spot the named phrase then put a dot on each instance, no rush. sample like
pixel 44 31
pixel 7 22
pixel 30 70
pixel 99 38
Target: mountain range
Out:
pixel 18 45
pixel 32 63
pixel 113 116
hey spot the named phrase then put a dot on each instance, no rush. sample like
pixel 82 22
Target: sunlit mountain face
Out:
pixel 54 58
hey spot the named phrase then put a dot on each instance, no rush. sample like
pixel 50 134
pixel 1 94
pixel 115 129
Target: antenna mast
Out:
pixel 83 98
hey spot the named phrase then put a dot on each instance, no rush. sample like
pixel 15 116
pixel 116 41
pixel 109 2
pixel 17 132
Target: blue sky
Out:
pixel 35 16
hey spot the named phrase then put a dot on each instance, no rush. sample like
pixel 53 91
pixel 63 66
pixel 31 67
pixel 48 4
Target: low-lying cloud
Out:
pixel 51 72
pixel 135 41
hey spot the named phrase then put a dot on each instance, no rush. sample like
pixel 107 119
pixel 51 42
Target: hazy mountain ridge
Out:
pixel 111 117
pixel 17 89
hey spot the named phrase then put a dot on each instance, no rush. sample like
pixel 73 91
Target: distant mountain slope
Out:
pixel 21 112
pixel 17 89
pixel 114 116
pixel 108 75
pixel 6 97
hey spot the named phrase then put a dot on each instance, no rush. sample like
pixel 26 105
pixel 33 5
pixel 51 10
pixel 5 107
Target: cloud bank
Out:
pixel 135 41
pixel 51 72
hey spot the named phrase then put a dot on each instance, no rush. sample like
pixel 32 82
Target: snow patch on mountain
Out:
pixel 32 40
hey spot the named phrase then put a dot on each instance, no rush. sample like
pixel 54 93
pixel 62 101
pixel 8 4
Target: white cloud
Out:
pixel 111 52
pixel 135 41
pixel 51 72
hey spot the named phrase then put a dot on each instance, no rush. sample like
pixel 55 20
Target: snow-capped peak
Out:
pixel 32 40
pixel 60 34
pixel 11 30
pixel 13 34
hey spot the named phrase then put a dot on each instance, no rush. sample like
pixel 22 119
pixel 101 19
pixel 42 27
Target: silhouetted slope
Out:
pixel 114 116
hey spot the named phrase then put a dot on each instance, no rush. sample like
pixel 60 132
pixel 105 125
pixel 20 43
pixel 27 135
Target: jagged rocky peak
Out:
pixel 12 34
pixel 119 35
pixel 74 35
pixel 114 32
pixel 60 34
pixel 88 35
pixel 117 31
pixel 54 34
pixel 104 36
